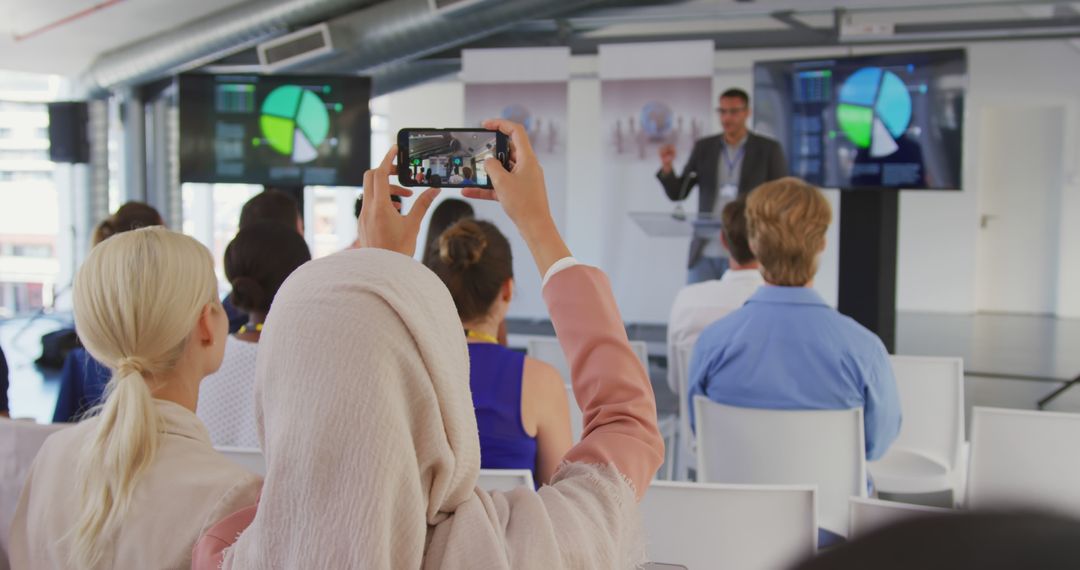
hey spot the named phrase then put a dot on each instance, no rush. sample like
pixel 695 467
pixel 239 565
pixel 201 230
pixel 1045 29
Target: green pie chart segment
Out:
pixel 294 122
pixel 857 122
pixel 283 101
pixel 278 132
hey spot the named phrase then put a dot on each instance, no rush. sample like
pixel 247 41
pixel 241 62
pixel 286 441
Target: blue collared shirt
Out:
pixel 786 349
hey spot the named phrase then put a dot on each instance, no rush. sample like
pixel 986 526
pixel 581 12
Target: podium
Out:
pixel 677 224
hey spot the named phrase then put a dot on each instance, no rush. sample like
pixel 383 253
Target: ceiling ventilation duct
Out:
pixel 296 48
pixel 206 39
pixel 401 30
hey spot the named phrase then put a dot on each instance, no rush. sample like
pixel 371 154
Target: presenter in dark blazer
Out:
pixel 723 166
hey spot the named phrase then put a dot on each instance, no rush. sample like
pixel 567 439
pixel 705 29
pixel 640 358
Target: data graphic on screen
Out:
pixel 887 121
pixel 274 130
pixel 441 158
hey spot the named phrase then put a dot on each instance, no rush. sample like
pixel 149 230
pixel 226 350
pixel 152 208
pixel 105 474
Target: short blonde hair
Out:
pixel 786 221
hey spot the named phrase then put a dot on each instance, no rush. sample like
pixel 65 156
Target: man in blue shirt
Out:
pixel 786 348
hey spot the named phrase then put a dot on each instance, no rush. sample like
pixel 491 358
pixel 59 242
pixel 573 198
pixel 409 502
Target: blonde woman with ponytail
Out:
pixel 135 485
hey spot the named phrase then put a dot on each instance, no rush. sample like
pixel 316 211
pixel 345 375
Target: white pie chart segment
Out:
pixel 303 151
pixel 882 143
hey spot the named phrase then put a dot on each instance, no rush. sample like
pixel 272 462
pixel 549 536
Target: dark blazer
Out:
pixel 764 161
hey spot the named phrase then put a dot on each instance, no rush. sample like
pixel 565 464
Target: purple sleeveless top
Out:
pixel 495 376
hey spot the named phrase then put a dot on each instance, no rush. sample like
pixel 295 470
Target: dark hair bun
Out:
pixel 107 228
pixel 247 294
pixel 462 245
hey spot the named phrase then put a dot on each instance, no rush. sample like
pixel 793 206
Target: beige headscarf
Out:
pixel 371 442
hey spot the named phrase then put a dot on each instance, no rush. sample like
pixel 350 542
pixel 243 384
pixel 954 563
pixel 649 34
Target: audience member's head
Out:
pixel 146 306
pixel 257 262
pixel 987 541
pixel 475 263
pixel 130 216
pixel 467 173
pixel 786 220
pixel 446 214
pixel 733 234
pixel 274 206
pixel 378 335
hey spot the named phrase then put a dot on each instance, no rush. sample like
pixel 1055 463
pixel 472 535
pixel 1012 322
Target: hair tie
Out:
pixel 132 365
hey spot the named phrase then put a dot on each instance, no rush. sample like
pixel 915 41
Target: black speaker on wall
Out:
pixel 68 125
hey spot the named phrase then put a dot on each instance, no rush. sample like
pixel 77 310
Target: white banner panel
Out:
pixel 496 87
pixel 651 95
pixel 515 65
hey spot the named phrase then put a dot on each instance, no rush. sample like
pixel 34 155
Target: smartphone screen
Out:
pixel 448 158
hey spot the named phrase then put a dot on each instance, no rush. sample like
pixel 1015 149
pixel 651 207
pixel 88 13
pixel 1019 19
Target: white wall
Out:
pixel 939 231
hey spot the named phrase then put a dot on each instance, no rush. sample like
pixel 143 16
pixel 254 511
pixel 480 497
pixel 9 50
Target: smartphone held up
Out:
pixel 449 158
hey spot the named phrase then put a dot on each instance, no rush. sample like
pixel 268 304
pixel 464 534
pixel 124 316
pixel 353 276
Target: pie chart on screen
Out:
pixel 874 110
pixel 294 122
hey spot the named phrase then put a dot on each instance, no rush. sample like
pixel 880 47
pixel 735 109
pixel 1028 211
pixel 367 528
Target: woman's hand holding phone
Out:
pixel 381 225
pixel 523 195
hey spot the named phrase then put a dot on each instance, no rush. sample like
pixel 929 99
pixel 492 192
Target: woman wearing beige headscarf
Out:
pixel 368 428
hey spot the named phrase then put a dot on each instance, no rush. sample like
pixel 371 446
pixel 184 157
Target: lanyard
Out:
pixel 481 336
pixel 732 162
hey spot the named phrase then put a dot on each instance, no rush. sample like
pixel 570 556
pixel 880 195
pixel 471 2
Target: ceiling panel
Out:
pixel 84 29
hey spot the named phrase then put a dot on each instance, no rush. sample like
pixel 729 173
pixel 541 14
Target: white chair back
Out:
pixel 932 398
pixel 1024 458
pixel 20 441
pixel 685 458
pixel 785 447
pixel 868 515
pixel 249 458
pixel 548 350
pixel 504 480
pixel 926 456
pixel 701 525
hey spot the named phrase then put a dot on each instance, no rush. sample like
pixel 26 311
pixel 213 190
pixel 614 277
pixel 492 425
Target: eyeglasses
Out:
pixel 734 111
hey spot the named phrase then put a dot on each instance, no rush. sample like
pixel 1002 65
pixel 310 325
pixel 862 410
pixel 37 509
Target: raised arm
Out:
pixel 677 186
pixel 610 384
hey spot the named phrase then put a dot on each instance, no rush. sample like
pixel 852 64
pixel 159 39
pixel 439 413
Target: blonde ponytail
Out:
pixel 137 299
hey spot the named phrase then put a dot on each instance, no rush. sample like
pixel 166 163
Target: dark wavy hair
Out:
pixel 259 259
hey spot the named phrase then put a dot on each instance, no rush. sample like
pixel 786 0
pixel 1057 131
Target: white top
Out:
pixel 227 397
pixel 701 304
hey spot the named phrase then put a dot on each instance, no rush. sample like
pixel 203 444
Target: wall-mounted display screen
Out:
pixel 877 121
pixel 281 130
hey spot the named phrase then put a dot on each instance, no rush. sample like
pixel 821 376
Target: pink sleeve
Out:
pixel 610 384
pixel 209 551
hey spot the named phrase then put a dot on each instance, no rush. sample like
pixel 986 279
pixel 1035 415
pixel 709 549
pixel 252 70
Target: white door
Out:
pixel 1021 174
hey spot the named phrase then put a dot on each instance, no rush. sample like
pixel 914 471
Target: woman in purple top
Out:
pixel 522 410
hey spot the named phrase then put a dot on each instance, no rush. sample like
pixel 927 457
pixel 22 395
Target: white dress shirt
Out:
pixel 701 304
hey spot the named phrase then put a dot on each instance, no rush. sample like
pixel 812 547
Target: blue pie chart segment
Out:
pixel 862 87
pixel 894 104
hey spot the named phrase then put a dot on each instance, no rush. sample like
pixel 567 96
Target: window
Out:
pixel 24 154
pixel 41 250
pixel 212 215
pixel 29 208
